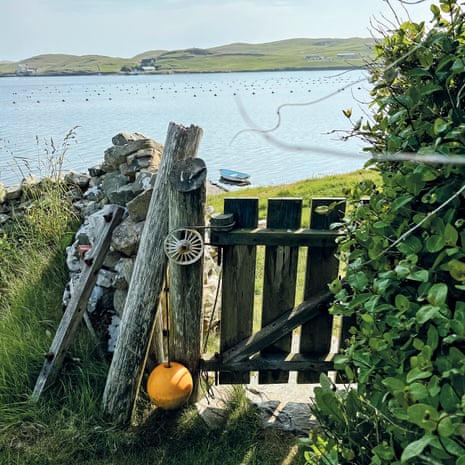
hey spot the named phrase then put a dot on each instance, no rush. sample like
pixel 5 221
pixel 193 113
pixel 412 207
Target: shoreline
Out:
pixel 167 73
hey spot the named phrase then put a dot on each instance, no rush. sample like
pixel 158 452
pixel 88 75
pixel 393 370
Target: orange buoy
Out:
pixel 170 385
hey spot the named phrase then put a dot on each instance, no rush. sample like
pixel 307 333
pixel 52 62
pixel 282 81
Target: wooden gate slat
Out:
pixel 238 284
pixel 301 237
pixel 280 276
pixel 322 268
pixel 280 327
pixel 285 362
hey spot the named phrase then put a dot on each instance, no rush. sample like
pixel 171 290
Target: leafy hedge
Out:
pixel 404 287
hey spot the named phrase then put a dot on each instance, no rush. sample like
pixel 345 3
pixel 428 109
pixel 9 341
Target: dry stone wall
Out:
pixel 125 177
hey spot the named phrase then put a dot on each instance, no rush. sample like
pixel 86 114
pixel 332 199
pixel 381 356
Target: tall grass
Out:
pixel 32 275
pixel 48 164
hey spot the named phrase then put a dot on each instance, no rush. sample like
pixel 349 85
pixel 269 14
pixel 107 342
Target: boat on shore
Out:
pixel 234 177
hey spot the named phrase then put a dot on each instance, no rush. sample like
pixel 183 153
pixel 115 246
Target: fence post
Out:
pixel 187 210
pixel 146 283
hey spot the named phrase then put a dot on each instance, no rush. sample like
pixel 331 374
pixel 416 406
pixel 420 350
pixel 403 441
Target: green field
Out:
pixel 281 55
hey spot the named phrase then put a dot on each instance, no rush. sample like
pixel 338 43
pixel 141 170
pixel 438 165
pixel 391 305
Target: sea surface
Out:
pixel 233 109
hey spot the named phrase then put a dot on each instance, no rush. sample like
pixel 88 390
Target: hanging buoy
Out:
pixel 170 385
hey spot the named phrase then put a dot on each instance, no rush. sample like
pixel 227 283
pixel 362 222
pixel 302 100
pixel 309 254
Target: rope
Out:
pixel 220 276
pixel 167 316
pixel 209 393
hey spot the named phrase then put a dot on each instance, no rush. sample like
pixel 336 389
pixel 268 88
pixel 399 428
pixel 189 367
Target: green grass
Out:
pixel 284 54
pixel 71 64
pixel 66 426
pixel 280 55
pixel 328 186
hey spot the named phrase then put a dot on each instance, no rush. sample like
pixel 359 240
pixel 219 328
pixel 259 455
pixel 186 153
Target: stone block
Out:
pixel 126 237
pixel 139 205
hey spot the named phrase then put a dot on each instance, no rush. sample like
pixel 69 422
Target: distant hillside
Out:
pixel 280 55
pixel 57 64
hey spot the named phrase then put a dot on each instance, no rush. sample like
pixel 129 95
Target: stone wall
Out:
pixel 125 177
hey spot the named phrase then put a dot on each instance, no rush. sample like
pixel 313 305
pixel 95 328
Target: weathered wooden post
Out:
pixel 187 211
pixel 146 283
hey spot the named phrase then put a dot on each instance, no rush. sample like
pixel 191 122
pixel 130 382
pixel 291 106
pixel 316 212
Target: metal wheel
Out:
pixel 184 246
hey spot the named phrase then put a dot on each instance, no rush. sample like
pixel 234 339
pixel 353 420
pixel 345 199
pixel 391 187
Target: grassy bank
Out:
pixel 328 186
pixel 66 426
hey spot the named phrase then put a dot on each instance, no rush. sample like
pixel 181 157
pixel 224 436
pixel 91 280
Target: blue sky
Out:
pixel 128 27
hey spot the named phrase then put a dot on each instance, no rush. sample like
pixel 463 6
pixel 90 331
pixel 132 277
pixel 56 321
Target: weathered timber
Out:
pixel 284 362
pixel 146 283
pixel 302 237
pixel 77 306
pixel 280 327
pixel 280 277
pixel 322 267
pixel 188 175
pixel 222 222
pixel 238 283
pixel 186 209
pixel 156 351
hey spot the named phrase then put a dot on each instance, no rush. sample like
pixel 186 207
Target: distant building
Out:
pixel 24 69
pixel 314 57
pixel 147 62
pixel 347 56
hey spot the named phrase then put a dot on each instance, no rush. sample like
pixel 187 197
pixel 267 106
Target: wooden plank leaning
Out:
pixel 77 306
pixel 127 366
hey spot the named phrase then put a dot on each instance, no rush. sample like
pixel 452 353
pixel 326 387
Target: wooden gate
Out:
pixel 279 336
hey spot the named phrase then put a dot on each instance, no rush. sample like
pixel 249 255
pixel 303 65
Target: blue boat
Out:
pixel 234 176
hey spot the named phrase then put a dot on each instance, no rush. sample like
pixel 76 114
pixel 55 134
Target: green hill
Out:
pixel 280 55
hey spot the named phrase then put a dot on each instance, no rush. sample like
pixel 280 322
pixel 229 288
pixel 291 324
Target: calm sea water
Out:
pixel 225 106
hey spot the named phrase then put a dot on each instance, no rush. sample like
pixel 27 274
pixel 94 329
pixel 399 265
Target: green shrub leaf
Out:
pixel 426 313
pixel 435 243
pixel 451 236
pixel 437 294
pixel 457 270
pixel 423 415
pixel 415 448
pixel 417 373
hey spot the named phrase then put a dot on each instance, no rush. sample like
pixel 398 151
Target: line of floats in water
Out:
pixel 271 85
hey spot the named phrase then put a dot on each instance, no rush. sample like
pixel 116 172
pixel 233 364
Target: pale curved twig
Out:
pixel 412 229
pixel 264 132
